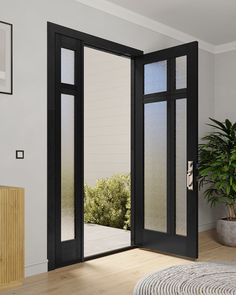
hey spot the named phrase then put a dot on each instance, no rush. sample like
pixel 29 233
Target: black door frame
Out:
pixel 166 242
pixel 72 39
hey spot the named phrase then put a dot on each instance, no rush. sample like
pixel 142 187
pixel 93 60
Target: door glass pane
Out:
pixel 155 77
pixel 67 167
pixel 67 66
pixel 155 217
pixel 181 166
pixel 181 72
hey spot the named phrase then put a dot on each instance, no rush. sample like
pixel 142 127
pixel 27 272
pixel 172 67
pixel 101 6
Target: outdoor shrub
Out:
pixel 108 202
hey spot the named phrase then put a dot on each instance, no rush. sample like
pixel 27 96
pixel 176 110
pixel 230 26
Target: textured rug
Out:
pixel 190 279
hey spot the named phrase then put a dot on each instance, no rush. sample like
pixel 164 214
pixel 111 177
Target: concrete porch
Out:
pixel 97 238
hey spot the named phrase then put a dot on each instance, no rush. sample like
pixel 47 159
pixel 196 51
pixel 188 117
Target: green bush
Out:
pixel 108 202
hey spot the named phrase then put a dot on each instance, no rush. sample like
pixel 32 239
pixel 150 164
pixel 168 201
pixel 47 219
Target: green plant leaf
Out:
pixel 234 186
pixel 219 124
pixel 217 163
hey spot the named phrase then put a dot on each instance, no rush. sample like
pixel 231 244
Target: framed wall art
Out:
pixel 6 58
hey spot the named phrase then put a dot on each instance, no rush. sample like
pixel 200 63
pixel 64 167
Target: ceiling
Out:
pixel 213 21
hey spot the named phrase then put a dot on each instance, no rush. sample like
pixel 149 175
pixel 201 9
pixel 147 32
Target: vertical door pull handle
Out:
pixel 190 176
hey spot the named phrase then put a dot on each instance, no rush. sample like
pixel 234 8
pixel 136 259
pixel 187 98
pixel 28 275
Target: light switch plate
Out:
pixel 20 154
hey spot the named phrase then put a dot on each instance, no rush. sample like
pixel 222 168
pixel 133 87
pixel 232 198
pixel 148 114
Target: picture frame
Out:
pixel 6 58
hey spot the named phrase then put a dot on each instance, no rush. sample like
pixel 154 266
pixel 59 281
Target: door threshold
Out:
pixel 100 255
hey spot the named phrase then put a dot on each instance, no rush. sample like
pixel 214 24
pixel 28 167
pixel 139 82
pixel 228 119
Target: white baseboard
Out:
pixel 207 226
pixel 36 268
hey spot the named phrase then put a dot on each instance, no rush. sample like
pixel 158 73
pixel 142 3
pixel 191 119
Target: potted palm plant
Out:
pixel 217 174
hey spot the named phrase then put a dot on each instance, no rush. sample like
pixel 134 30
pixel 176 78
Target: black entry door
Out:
pixel 166 138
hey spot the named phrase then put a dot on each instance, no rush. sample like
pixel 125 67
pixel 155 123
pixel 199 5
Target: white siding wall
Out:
pixel 107 115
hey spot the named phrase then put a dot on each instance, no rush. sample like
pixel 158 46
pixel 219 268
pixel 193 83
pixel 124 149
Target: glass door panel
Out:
pixel 155 77
pixel 67 66
pixel 181 72
pixel 181 167
pixel 155 179
pixel 67 168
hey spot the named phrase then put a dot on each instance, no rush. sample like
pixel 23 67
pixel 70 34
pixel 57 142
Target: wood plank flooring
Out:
pixel 116 274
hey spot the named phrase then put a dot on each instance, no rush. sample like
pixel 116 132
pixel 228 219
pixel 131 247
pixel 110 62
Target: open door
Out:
pixel 166 140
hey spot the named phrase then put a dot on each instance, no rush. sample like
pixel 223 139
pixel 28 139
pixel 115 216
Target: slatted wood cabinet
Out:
pixel 11 236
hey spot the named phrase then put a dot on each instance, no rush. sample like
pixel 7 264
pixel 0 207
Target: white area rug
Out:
pixel 190 279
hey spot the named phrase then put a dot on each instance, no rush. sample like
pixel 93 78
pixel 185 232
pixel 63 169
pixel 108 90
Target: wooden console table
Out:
pixel 11 236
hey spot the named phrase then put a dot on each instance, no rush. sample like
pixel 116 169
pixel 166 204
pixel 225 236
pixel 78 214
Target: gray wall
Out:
pixel 23 116
pixel 2 50
pixel 207 216
pixel 225 92
pixel 225 86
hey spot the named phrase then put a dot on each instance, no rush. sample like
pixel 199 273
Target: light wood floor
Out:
pixel 116 274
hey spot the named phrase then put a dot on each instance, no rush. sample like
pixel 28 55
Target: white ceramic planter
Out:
pixel 226 231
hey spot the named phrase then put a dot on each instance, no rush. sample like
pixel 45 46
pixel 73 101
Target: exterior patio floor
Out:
pixel 99 239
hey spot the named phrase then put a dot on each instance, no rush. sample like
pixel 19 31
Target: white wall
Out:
pixel 225 86
pixel 225 92
pixel 207 216
pixel 23 122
